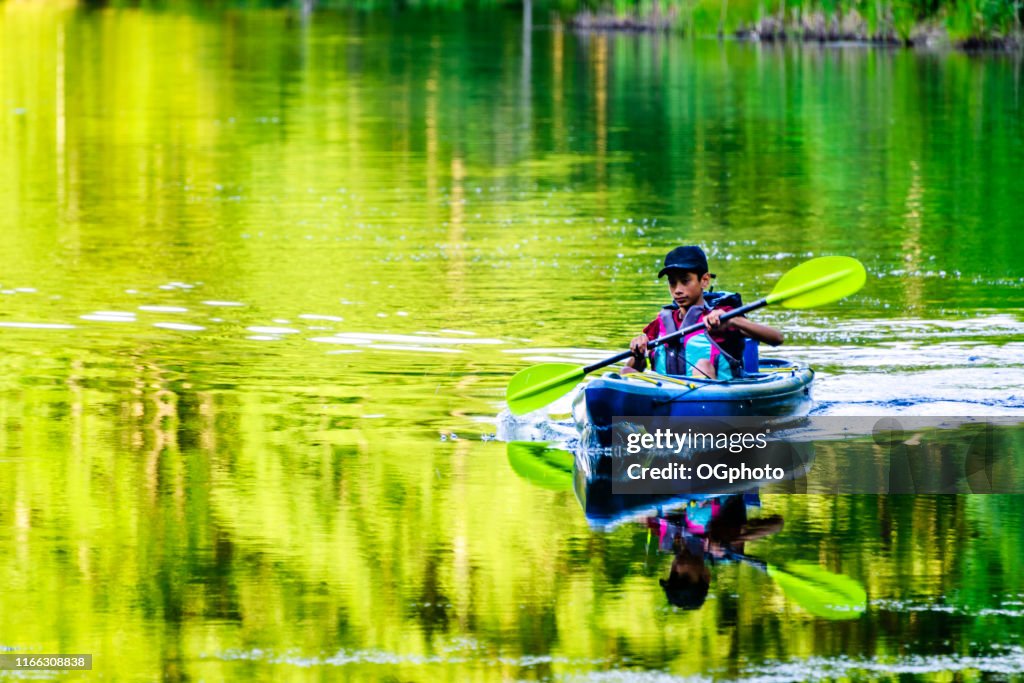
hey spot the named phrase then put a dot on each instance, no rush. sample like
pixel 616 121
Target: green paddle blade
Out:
pixel 539 385
pixel 548 468
pixel 819 591
pixel 818 282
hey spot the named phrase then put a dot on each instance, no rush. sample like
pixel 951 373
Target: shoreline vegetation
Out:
pixel 961 24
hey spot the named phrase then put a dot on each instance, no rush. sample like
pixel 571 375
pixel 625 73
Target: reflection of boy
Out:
pixel 713 527
pixel 712 352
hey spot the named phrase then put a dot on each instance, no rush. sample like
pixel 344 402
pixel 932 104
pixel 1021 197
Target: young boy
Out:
pixel 714 352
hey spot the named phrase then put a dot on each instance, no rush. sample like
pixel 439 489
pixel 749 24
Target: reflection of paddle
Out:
pixel 817 590
pixel 816 282
pixel 537 463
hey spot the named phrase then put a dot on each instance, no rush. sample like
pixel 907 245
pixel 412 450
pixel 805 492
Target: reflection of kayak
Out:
pixel 604 509
pixel 608 497
pixel 606 502
pixel 779 388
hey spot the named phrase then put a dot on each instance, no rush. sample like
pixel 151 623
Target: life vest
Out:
pixel 680 356
pixel 696 519
pixel 690 526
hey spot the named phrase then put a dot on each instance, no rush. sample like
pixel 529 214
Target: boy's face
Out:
pixel 687 288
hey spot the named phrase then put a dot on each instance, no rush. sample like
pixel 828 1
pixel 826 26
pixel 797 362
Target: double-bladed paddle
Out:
pixel 813 283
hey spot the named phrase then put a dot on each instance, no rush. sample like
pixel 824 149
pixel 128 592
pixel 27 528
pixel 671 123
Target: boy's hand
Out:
pixel 713 322
pixel 638 345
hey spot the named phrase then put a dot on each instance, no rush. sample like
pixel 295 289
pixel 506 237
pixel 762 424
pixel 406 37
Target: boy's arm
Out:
pixel 762 333
pixel 638 345
pixel 638 361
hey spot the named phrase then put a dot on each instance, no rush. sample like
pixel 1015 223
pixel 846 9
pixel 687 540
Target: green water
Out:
pixel 258 272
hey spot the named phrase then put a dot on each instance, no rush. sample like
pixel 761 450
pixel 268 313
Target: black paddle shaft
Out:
pixel 678 333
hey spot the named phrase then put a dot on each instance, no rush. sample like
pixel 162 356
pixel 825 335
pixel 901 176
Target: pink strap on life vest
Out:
pixel 695 528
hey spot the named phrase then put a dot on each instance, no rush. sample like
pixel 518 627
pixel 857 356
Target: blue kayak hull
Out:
pixel 780 388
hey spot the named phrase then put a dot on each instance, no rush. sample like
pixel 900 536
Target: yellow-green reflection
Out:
pixel 225 496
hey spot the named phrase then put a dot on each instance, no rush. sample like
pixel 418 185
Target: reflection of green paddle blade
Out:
pixel 818 282
pixel 819 591
pixel 539 385
pixel 549 468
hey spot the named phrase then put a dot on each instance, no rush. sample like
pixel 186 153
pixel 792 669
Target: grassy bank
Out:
pixel 964 23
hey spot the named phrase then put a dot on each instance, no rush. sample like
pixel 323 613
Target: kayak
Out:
pixel 778 388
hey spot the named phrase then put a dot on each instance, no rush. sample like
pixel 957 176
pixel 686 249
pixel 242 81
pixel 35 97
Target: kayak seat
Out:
pixel 751 361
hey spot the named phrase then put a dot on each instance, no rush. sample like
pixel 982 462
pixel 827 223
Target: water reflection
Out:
pixel 712 532
pixel 701 532
pixel 212 492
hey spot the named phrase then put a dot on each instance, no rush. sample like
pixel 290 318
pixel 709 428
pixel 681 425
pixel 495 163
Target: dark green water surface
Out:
pixel 264 282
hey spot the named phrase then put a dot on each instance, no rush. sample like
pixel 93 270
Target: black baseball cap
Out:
pixel 685 258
